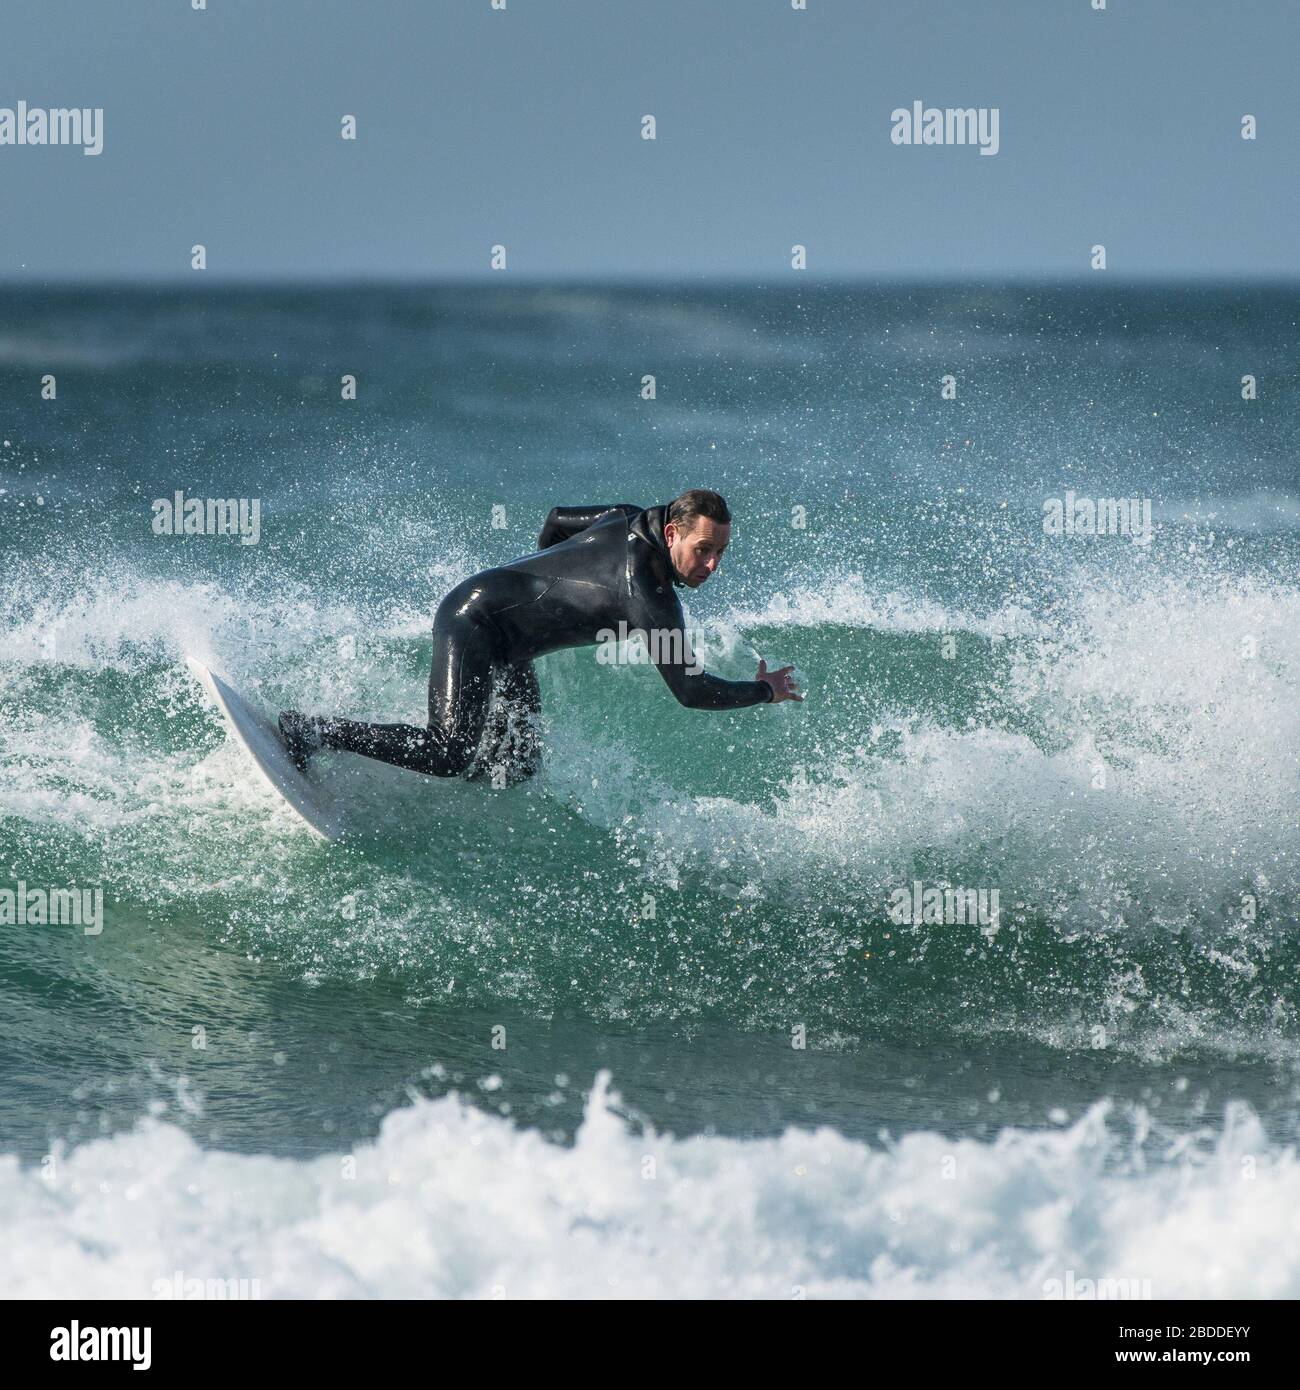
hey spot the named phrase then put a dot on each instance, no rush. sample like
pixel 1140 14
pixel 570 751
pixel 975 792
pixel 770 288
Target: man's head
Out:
pixel 696 530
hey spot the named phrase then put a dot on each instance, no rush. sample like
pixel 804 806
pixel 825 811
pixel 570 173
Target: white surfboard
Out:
pixel 255 734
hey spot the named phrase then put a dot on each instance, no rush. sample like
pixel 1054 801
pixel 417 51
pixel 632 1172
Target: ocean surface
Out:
pixel 645 1025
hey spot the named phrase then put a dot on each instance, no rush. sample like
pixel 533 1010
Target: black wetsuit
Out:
pixel 594 568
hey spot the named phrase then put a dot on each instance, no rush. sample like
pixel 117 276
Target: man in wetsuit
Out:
pixel 594 568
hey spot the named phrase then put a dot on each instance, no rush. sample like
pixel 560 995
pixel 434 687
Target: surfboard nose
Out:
pixel 253 732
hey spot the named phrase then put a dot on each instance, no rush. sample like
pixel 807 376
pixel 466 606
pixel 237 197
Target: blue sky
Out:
pixel 522 127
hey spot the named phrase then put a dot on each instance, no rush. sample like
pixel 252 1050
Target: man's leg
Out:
pixel 460 683
pixel 512 739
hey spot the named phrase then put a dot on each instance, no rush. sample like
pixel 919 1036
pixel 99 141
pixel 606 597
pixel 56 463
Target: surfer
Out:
pixel 594 568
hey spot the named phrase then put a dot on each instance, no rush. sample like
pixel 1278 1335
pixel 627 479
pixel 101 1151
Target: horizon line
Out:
pixel 201 280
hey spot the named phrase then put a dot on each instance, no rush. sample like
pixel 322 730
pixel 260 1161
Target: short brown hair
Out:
pixel 686 510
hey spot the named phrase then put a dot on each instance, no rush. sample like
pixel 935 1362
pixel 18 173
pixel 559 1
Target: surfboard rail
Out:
pixel 261 741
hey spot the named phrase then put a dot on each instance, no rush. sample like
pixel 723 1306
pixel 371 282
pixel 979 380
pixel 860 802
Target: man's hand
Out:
pixel 783 688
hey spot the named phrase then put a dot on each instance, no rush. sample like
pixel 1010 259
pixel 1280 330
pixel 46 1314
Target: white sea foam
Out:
pixel 1149 683
pixel 1159 783
pixel 450 1202
pixel 850 600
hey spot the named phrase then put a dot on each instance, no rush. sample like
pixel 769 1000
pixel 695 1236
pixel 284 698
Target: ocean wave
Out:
pixel 1123 774
pixel 1132 756
pixel 451 1202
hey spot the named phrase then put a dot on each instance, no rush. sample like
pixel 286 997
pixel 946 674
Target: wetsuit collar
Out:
pixel 649 526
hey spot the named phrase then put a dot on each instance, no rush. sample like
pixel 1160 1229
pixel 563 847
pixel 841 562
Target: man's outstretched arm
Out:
pixel 692 686
pixel 563 523
pixel 663 626
pixel 703 691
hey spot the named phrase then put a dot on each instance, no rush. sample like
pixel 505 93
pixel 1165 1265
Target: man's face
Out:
pixel 698 552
